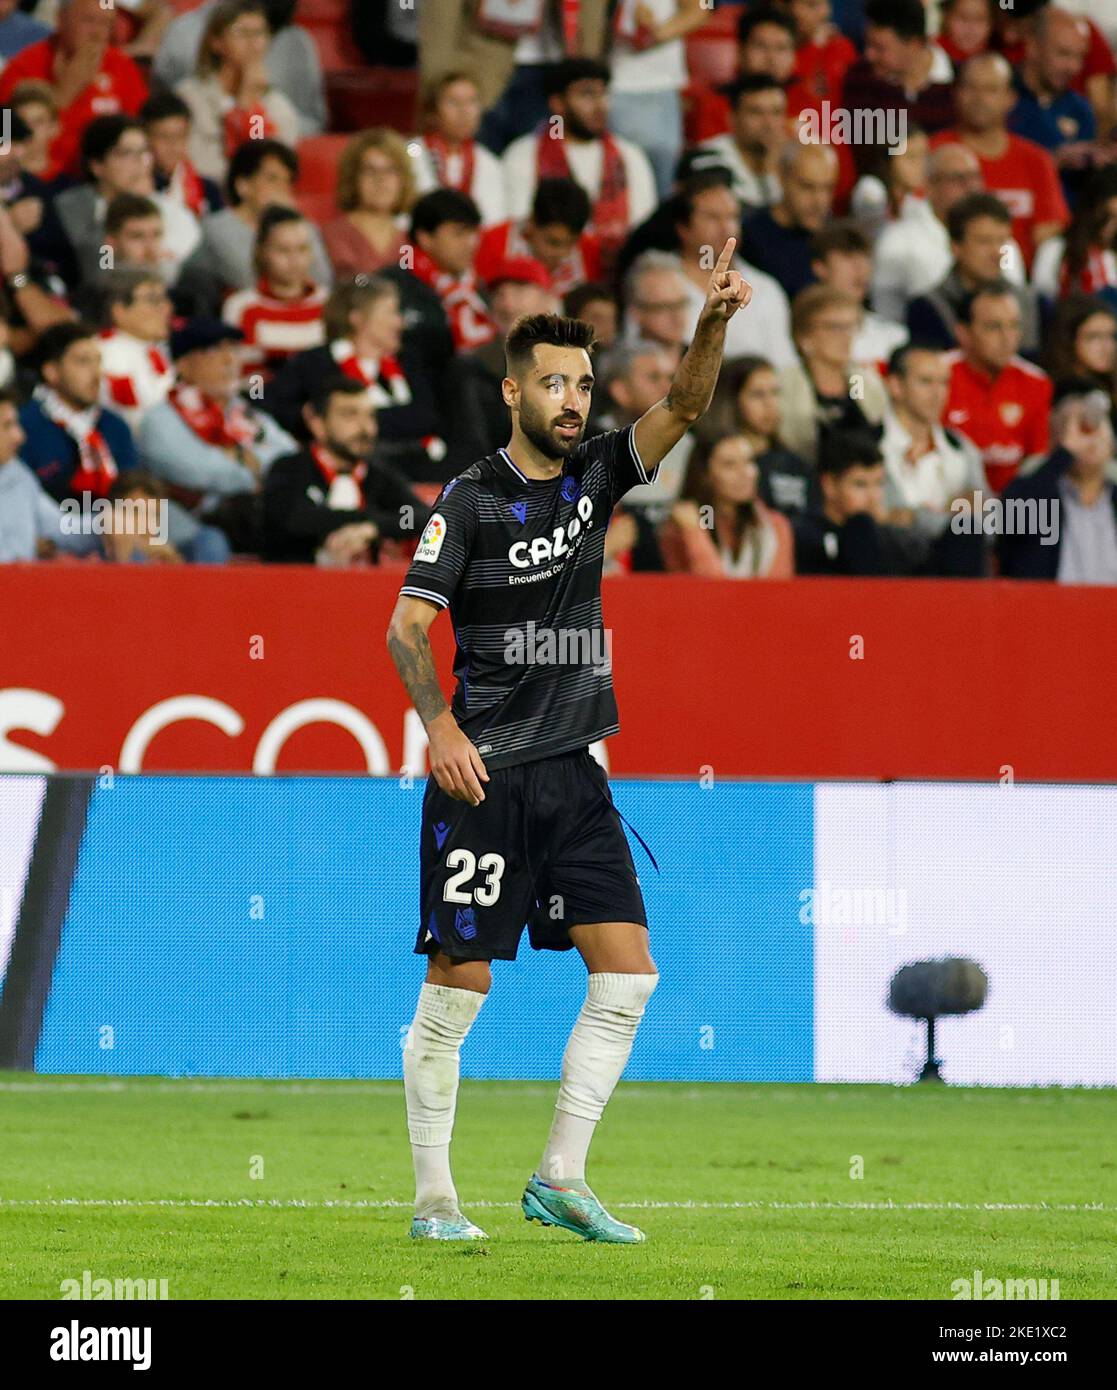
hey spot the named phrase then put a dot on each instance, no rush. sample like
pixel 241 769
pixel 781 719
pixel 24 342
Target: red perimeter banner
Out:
pixel 284 669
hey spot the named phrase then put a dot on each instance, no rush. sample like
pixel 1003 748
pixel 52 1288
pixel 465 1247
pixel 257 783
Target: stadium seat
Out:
pixel 711 52
pixel 712 60
pixel 723 21
pixel 368 97
pixel 318 160
pixel 317 185
pixel 336 49
pixel 335 12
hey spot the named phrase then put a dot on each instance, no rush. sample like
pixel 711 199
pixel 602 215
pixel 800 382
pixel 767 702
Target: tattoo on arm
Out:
pixel 411 652
pixel 697 375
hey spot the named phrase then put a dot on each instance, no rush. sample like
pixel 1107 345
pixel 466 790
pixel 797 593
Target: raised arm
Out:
pixel 661 427
pixel 455 762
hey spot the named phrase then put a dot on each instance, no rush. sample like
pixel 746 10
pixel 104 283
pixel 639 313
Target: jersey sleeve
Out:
pixel 624 466
pixel 444 547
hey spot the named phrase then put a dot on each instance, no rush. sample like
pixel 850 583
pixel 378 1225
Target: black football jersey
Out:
pixel 518 562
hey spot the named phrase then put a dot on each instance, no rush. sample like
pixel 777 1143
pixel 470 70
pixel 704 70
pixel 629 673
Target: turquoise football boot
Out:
pixel 455 1227
pixel 575 1211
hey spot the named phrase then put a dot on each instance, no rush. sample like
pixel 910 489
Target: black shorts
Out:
pixel 545 849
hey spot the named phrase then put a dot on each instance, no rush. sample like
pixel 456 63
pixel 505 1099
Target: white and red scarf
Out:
pixel 97 468
pixel 386 384
pixel 440 157
pixel 345 492
pixel 223 427
pixel 185 185
pixel 1099 273
pixel 136 373
pixel 609 218
pixel 383 376
pixel 461 298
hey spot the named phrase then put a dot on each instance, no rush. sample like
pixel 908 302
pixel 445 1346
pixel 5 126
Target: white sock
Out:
pixel 595 1057
pixel 431 1065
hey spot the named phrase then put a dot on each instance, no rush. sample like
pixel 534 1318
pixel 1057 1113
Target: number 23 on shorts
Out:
pixel 465 866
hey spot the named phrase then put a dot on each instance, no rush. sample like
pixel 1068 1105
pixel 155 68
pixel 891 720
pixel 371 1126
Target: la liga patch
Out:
pixel 430 542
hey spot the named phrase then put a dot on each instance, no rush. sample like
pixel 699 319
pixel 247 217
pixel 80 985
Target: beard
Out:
pixel 579 129
pixel 351 453
pixel 540 433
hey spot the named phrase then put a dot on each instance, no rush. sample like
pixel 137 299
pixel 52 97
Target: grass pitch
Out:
pixel 745 1191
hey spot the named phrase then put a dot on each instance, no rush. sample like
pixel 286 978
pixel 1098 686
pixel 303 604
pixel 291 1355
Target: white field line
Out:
pixel 777 1092
pixel 392 1203
pixel 312 1088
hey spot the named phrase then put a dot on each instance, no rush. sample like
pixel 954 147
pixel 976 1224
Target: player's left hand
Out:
pixel 728 290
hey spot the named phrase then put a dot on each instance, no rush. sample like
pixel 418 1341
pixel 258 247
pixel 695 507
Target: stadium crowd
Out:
pixel 226 289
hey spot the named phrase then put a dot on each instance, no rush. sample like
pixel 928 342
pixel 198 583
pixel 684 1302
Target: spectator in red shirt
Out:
pixel 997 398
pixel 822 59
pixel 767 42
pixel 1020 173
pixel 87 76
pixel 445 234
pixel 967 28
pixel 554 236
pixel 282 315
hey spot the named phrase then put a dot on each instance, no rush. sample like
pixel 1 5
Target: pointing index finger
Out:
pixel 726 256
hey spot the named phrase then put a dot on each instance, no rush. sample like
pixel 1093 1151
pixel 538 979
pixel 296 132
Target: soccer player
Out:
pixel 519 827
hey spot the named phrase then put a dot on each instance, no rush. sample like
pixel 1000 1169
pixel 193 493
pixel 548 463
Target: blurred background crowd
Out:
pixel 257 259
